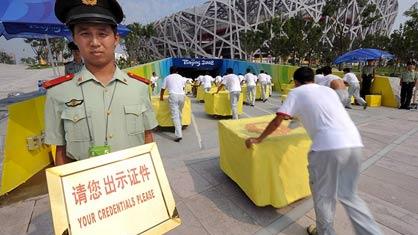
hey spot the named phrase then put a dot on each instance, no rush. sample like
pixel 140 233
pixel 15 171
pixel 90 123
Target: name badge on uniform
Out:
pixel 95 151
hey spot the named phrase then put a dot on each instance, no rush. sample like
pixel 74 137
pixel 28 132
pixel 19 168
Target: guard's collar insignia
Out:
pixel 74 103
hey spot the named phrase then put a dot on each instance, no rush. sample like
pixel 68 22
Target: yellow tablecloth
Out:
pixel 201 92
pixel 257 92
pixel 220 104
pixel 163 114
pixel 271 173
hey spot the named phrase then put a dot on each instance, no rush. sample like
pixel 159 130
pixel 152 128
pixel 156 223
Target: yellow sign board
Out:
pixel 125 192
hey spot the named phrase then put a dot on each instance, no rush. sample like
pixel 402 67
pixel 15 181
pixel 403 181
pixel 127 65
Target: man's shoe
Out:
pixel 365 106
pixel 264 101
pixel 312 230
pixel 348 107
pixel 177 139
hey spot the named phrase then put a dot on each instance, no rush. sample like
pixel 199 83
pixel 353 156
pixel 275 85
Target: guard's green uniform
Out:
pixel 73 67
pixel 130 113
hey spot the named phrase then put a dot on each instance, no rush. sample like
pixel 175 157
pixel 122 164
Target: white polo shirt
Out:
pixel 154 79
pixel 262 78
pixel 218 79
pixel 323 116
pixel 320 79
pixel 351 78
pixel 174 83
pixel 329 78
pixel 231 82
pixel 250 79
pixel 207 81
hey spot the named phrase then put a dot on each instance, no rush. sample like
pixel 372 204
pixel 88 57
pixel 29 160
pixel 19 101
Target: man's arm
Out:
pixel 162 94
pixel 61 156
pixel 219 88
pixel 272 126
pixel 148 138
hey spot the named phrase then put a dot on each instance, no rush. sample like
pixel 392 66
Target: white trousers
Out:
pixel 334 175
pixel 343 94
pixel 176 103
pixel 264 87
pixel 251 94
pixel 354 90
pixel 234 98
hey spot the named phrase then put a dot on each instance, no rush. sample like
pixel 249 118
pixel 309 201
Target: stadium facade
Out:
pixel 213 29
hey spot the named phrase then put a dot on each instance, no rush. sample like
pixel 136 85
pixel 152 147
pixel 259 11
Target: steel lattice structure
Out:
pixel 213 29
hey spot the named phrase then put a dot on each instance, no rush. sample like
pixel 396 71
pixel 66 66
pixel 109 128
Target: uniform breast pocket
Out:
pixel 75 124
pixel 134 118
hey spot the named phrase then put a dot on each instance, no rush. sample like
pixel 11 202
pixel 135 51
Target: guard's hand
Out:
pixel 250 141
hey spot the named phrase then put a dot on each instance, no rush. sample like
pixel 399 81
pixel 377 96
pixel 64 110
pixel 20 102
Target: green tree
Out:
pixel 137 43
pixel 251 41
pixel 6 58
pixel 39 48
pixel 28 61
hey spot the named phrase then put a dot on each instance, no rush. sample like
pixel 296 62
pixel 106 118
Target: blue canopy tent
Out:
pixel 363 54
pixel 35 19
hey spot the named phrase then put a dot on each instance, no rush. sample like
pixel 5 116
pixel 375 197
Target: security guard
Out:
pixel 408 80
pixel 77 64
pixel 175 83
pixel 100 109
pixel 367 76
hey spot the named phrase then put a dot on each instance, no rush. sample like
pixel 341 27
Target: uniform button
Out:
pixel 108 113
pixel 105 90
pixel 110 136
pixel 75 118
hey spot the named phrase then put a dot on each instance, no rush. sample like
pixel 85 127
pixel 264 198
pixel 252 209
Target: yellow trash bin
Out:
pixel 374 100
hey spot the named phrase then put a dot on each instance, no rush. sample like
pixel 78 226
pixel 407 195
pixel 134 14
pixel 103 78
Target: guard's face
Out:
pixel 97 43
pixel 76 55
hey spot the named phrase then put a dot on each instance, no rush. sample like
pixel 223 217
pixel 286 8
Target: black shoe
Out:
pixel 365 106
pixel 264 101
pixel 312 230
pixel 348 107
pixel 177 139
pixel 252 105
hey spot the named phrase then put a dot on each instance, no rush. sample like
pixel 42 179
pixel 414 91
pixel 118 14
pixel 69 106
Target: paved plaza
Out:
pixel 210 203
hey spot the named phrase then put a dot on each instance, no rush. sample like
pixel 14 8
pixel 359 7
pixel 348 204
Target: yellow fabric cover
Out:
pixel 219 104
pixel 20 164
pixel 271 173
pixel 381 85
pixel 201 92
pixel 374 100
pixel 257 92
pixel 163 113
pixel 188 88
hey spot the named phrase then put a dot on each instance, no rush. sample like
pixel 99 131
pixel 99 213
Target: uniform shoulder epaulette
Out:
pixel 57 81
pixel 139 78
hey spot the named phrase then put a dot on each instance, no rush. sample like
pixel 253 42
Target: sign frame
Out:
pixel 59 207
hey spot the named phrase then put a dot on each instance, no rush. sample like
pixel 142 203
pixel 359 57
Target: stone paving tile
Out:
pixel 395 165
pixel 392 216
pixel 371 147
pixel 186 182
pixel 407 157
pixel 190 225
pixel 385 139
pixel 299 227
pixel 389 192
pixel 15 218
pixel 220 215
pixel 41 222
pixel 261 215
pixel 404 181
pixel 210 170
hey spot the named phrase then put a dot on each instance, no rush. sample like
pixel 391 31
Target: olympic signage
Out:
pixel 125 192
pixel 197 63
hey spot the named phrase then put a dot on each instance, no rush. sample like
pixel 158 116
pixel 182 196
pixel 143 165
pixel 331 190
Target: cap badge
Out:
pixel 90 2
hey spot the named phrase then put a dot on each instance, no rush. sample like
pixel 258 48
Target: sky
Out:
pixel 146 11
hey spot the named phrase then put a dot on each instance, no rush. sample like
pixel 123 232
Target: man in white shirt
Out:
pixel 263 80
pixel 232 84
pixel 319 77
pixel 154 79
pixel 218 80
pixel 269 84
pixel 335 156
pixel 207 82
pixel 337 84
pixel 175 84
pixel 251 81
pixel 353 88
